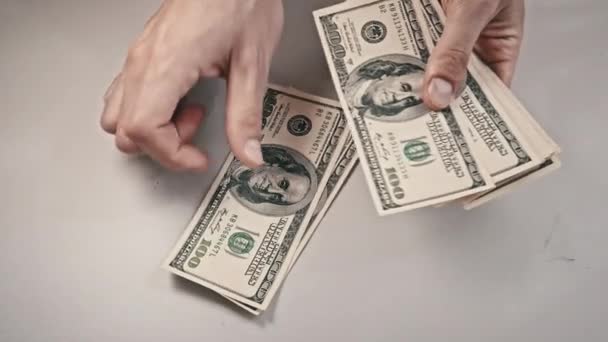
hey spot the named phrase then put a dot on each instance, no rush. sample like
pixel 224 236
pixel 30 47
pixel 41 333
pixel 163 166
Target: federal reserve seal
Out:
pixel 240 243
pixel 299 125
pixel 373 32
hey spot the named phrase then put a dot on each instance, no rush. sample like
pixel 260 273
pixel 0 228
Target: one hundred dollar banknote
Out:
pixel 242 239
pixel 411 156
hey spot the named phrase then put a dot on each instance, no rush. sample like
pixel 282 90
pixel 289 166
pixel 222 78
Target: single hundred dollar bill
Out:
pixel 412 157
pixel 241 240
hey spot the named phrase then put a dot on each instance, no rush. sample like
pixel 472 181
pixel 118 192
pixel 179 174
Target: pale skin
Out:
pixel 189 40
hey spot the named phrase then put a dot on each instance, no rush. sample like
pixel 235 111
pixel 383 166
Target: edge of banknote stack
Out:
pixel 515 150
pixel 232 241
pixel 545 147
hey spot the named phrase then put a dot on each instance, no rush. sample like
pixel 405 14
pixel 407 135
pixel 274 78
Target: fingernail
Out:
pixel 253 151
pixel 441 92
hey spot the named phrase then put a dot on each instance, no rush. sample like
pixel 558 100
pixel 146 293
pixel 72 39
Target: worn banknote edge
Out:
pixel 549 166
pixel 548 146
pixel 545 146
pixel 339 181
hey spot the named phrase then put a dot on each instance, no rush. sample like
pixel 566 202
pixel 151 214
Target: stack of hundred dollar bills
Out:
pixel 253 224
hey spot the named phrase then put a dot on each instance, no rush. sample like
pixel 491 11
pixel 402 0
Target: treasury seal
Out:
pixel 299 125
pixel 373 32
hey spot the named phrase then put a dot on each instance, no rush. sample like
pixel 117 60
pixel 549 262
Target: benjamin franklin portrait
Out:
pixel 388 88
pixel 286 183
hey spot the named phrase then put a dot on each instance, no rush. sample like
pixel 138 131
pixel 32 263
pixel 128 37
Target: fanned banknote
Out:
pixel 411 156
pixel 242 239
pixel 504 115
pixel 346 163
pixel 342 170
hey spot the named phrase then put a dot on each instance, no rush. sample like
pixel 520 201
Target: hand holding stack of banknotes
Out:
pixel 253 224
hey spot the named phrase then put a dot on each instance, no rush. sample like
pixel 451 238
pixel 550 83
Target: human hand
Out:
pixel 492 28
pixel 186 40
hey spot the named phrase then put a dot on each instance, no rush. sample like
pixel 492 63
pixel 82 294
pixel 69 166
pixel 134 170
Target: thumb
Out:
pixel 447 67
pixel 246 87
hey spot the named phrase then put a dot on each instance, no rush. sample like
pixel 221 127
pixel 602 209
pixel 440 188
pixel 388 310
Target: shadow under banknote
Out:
pixel 209 297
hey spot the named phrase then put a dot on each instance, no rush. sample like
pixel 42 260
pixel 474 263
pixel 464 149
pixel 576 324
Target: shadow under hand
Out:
pixel 211 94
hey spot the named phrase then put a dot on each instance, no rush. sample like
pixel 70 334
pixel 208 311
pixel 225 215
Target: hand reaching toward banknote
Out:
pixel 493 28
pixel 186 40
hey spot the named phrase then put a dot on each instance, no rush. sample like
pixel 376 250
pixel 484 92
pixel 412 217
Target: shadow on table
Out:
pixel 209 296
pixel 299 60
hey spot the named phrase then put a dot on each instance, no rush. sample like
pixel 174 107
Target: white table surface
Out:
pixel 85 229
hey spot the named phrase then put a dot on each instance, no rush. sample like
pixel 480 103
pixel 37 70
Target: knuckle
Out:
pixel 251 60
pixel 454 61
pixel 136 130
pixel 248 54
pixel 485 7
pixel 108 124
pixel 110 91
pixel 138 53
pixel 120 145
pixel 249 121
pixel 476 8
pixel 124 145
